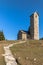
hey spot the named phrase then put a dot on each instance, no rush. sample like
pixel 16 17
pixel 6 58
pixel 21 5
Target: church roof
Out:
pixel 23 31
pixel 34 13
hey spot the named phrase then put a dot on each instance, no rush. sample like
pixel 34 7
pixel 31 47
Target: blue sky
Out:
pixel 15 15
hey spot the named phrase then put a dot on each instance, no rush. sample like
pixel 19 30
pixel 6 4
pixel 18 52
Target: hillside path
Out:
pixel 9 59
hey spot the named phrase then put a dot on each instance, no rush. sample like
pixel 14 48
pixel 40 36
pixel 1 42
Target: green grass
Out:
pixel 31 49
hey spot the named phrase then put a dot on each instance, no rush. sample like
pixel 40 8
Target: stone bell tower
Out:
pixel 34 26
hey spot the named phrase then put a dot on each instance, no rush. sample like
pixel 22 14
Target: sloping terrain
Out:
pixel 2 62
pixel 29 53
pixel 2 44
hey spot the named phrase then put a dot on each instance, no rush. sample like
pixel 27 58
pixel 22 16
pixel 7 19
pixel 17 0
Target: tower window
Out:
pixel 36 16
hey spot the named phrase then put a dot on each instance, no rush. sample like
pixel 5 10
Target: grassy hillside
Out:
pixel 2 62
pixel 29 53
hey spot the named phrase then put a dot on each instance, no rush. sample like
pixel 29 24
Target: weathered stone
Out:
pixel 34 59
pixel 33 32
pixel 19 58
pixel 27 58
pixel 34 26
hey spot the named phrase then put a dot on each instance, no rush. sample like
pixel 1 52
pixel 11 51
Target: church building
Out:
pixel 33 32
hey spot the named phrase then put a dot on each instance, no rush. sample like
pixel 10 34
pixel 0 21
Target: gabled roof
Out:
pixel 23 31
pixel 34 13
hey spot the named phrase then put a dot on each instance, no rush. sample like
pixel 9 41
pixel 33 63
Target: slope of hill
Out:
pixel 29 53
pixel 2 44
pixel 2 62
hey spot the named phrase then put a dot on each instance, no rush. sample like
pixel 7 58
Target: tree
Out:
pixel 2 36
pixel 41 38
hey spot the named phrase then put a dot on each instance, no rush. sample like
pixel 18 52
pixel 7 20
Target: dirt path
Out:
pixel 9 59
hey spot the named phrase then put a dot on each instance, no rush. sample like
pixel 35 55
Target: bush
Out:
pixel 2 36
pixel 41 38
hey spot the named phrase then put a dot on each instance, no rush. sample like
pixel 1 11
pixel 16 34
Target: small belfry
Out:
pixel 33 32
pixel 34 26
